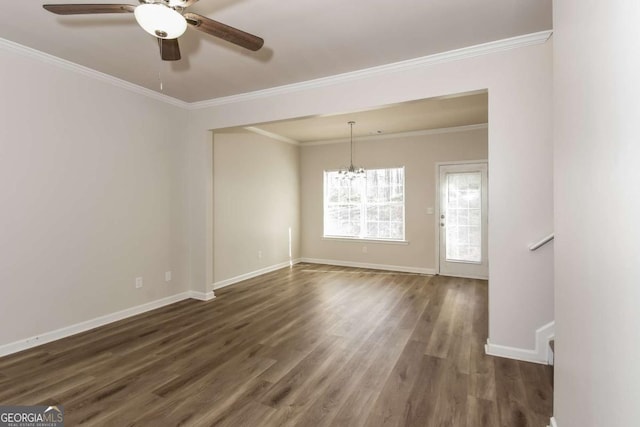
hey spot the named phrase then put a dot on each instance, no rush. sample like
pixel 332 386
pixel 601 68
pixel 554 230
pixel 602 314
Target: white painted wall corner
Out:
pixel 540 354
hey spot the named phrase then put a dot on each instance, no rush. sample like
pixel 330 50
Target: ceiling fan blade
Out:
pixel 169 49
pixel 223 31
pixel 81 9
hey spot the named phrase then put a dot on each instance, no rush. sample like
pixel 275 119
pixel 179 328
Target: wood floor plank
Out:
pixel 235 409
pixel 252 414
pixel 311 366
pixel 451 406
pixel 482 412
pixel 442 335
pixel 364 388
pixel 326 403
pixel 421 403
pixel 390 407
pixel 538 388
pixel 482 376
pixel 511 396
pixel 461 328
pixel 427 321
pixel 311 345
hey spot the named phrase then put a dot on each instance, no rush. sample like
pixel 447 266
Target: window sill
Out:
pixel 356 240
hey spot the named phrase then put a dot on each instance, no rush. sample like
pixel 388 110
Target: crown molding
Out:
pixel 89 72
pixel 438 58
pixel 437 131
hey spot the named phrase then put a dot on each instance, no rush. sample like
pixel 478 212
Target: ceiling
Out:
pixel 427 114
pixel 304 39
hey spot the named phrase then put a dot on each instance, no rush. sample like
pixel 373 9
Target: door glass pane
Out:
pixel 462 215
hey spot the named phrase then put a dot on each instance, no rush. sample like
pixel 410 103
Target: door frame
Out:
pixel 436 223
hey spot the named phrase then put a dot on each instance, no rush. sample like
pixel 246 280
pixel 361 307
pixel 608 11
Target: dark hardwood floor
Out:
pixel 309 346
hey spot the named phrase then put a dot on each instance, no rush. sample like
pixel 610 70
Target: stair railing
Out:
pixel 541 242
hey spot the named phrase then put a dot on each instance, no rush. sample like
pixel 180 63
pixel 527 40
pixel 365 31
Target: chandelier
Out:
pixel 351 172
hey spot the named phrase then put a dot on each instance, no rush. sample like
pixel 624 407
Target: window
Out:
pixel 463 210
pixel 365 208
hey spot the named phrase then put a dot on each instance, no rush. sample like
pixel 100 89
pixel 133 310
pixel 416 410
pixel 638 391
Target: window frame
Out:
pixel 363 214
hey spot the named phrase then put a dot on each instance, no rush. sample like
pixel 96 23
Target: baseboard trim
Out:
pixel 400 268
pixel 540 354
pixel 553 422
pixel 67 331
pixel 512 353
pixel 202 296
pixel 466 276
pixel 246 276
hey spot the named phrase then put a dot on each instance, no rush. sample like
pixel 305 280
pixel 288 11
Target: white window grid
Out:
pixel 355 200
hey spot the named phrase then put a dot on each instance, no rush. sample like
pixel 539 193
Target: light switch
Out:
pixel 430 211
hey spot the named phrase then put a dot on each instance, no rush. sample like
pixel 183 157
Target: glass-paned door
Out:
pixel 463 220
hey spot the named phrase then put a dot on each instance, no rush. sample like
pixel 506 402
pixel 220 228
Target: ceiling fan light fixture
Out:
pixel 160 20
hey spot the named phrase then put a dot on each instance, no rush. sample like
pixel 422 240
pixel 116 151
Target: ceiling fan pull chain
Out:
pixel 160 70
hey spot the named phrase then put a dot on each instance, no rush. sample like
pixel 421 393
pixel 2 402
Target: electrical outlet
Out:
pixel 167 276
pixel 259 254
pixel 138 282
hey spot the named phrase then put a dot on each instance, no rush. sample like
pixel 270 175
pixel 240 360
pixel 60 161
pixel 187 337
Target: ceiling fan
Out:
pixel 166 20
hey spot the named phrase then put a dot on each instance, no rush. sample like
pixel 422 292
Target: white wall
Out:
pixel 520 164
pixel 256 200
pixel 597 174
pixel 83 243
pixel 418 154
pixel 91 185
